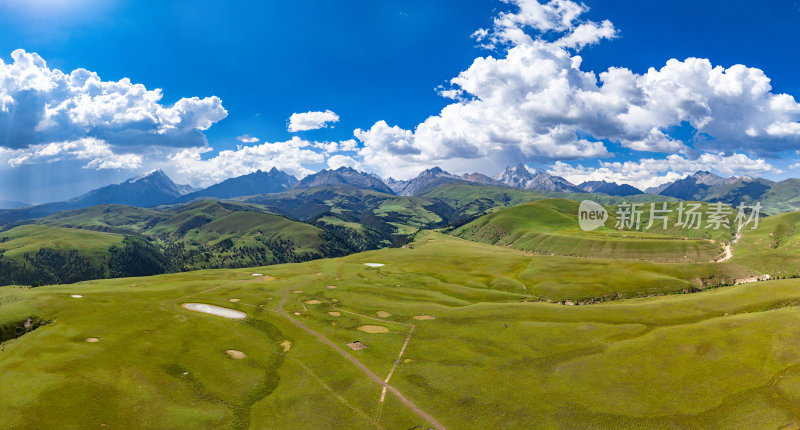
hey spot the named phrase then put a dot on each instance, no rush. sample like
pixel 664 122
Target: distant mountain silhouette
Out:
pixel 519 176
pixel 274 181
pixel 150 189
pixel 343 176
pixel 610 188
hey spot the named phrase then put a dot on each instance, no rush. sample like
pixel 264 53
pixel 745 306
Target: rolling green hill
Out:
pixel 550 226
pixel 385 218
pixel 204 234
pixel 772 248
pixel 213 234
pixel 34 255
pixel 460 326
pixel 339 220
pixel 17 242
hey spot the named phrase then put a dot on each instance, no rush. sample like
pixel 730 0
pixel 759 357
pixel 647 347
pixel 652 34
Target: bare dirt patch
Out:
pixel 93 339
pixel 286 345
pixel 373 329
pixel 330 287
pixel 355 346
pixel 298 291
pixel 236 355
pixel 383 314
pixel 335 314
pixel 424 317
pixel 313 302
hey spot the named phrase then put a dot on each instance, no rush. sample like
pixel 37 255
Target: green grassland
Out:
pixel 205 222
pixel 550 226
pixel 780 197
pixel 773 247
pixel 389 215
pixel 34 255
pixel 301 225
pixel 470 200
pixel 200 235
pixel 477 200
pixel 495 356
pixel 17 242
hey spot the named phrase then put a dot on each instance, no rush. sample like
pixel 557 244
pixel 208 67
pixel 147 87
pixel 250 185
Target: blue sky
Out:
pixel 378 63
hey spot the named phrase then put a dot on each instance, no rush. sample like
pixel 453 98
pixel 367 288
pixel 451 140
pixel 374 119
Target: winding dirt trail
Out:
pixel 361 367
pixel 728 254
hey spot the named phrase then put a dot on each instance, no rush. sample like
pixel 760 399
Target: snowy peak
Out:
pixel 543 181
pixel 396 185
pixel 155 176
pixel 436 172
pixel 515 176
pixel 520 177
pixel 435 177
pixel 707 178
pixel 156 180
pixel 426 181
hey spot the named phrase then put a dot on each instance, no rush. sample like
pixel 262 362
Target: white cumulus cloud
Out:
pixel 98 153
pixel 311 120
pixel 291 156
pixel 534 102
pixel 40 105
pixel 246 138
pixel 651 172
pixel 338 160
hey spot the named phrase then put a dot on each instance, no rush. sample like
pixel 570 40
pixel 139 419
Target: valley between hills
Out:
pixel 345 305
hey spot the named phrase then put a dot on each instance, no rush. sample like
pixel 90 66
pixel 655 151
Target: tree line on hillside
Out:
pixel 141 256
pixel 48 266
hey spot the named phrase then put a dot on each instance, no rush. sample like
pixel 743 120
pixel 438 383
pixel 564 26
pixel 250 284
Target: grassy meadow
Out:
pixel 773 247
pixel 27 239
pixel 490 346
pixel 550 226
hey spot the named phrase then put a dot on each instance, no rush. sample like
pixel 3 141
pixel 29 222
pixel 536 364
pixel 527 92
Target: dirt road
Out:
pixel 361 366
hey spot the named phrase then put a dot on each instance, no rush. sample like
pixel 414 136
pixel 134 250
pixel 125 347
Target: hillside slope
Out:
pixel 471 315
pixel 551 226
pixel 773 248
pixel 205 234
pixel 35 255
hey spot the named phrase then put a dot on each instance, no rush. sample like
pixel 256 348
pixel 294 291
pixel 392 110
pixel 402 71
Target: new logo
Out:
pixel 591 215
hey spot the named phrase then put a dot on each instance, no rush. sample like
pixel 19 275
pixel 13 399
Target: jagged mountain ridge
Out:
pixel 610 188
pixel 343 176
pixel 258 182
pixel 155 188
pixel 435 177
pixel 702 184
pixel 520 177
